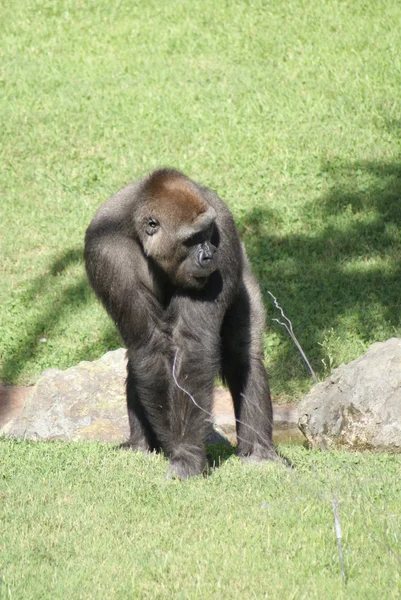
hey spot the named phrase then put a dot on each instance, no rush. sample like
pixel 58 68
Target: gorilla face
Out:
pixel 186 253
pixel 200 259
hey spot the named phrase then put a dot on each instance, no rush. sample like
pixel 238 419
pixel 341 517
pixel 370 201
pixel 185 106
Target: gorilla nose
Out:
pixel 206 254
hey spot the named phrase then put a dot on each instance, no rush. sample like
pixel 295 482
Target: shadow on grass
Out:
pixel 340 272
pixel 70 299
pixel 217 454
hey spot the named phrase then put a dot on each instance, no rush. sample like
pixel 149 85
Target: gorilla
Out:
pixel 165 258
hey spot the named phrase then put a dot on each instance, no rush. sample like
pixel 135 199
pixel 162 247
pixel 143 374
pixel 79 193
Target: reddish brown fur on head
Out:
pixel 174 224
pixel 174 198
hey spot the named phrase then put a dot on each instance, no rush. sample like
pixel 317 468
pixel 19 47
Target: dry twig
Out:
pixel 288 326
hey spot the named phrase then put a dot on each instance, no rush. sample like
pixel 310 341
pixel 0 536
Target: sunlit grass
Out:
pixel 85 521
pixel 289 110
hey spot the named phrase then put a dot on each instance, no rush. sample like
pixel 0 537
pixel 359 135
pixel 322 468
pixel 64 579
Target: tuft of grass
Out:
pixel 288 109
pixel 85 521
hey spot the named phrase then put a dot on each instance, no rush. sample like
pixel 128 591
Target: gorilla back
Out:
pixel 164 257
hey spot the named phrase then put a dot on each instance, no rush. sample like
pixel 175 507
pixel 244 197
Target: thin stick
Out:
pixel 288 326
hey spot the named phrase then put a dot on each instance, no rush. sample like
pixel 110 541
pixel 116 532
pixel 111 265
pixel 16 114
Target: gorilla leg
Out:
pixel 142 435
pixel 243 370
pixel 147 397
pixel 169 401
pixel 194 369
pixel 191 400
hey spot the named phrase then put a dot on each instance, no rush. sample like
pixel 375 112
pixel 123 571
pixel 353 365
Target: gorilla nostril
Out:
pixel 204 257
pixel 206 254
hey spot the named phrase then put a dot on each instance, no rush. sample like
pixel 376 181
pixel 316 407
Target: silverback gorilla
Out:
pixel 164 257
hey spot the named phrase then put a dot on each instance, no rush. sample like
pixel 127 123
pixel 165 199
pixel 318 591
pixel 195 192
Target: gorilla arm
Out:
pixel 124 282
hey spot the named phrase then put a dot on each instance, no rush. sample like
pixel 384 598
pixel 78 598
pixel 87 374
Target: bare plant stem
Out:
pixel 288 326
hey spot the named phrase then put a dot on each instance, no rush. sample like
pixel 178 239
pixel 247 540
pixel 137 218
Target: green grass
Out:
pixel 84 521
pixel 290 110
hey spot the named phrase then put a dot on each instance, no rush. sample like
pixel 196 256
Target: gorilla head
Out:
pixel 176 228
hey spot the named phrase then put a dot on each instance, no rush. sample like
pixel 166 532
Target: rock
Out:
pixel 359 405
pixel 224 415
pixel 85 402
pixel 12 401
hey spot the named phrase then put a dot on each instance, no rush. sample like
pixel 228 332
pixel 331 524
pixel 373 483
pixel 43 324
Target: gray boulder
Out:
pixel 85 402
pixel 359 405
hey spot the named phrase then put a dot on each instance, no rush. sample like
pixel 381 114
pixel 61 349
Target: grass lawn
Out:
pixel 84 521
pixel 290 110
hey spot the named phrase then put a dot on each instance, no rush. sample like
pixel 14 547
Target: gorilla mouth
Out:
pixel 201 280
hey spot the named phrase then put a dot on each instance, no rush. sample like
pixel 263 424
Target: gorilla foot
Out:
pixel 135 447
pixel 186 463
pixel 258 454
pixel 258 458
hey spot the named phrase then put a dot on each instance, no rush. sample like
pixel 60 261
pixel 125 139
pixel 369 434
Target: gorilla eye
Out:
pixel 152 226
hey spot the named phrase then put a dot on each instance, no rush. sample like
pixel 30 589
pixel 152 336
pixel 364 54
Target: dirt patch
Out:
pixel 12 401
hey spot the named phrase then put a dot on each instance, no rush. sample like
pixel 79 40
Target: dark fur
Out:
pixel 216 327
